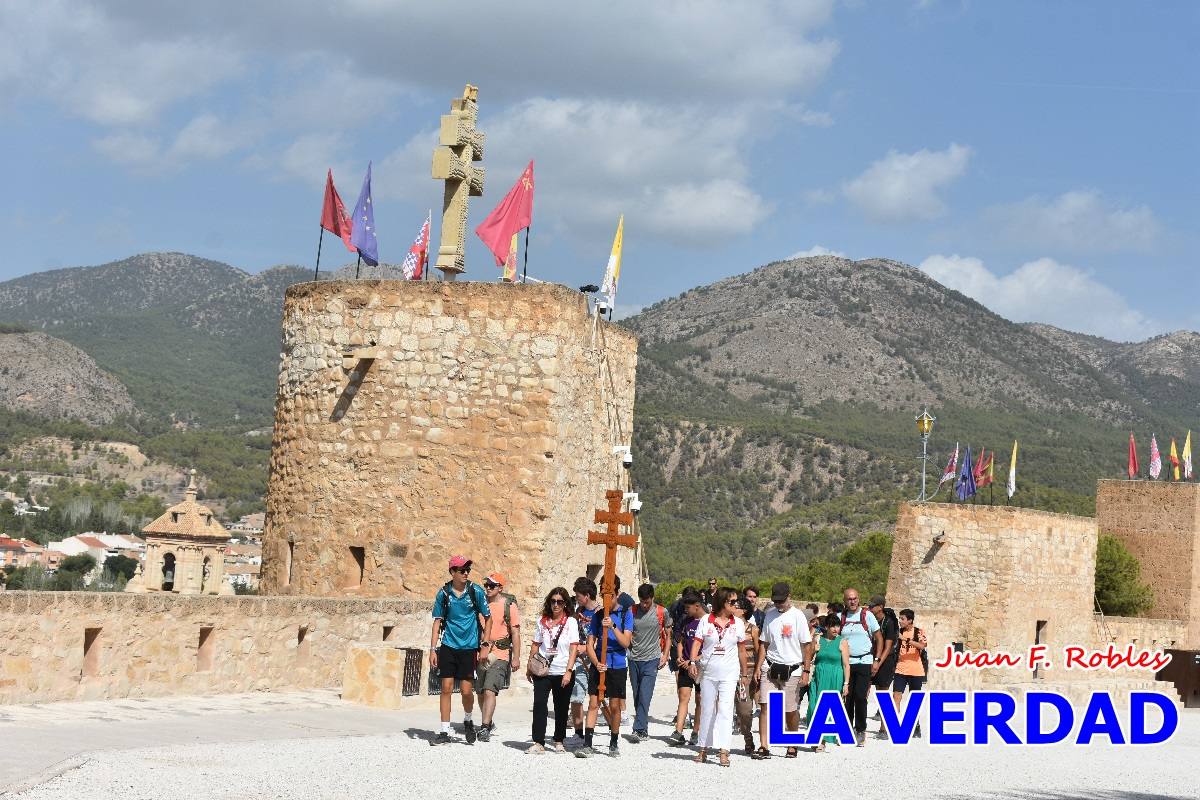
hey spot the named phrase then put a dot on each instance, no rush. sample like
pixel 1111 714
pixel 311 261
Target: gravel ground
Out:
pixel 403 765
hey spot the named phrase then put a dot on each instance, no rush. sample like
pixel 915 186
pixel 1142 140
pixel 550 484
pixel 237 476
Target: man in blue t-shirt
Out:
pixel 618 626
pixel 860 629
pixel 460 617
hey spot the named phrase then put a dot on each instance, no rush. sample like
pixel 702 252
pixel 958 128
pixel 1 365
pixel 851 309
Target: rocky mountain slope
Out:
pixel 775 408
pixel 42 375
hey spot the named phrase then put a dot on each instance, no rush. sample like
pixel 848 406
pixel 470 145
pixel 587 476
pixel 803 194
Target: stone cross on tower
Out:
pixel 459 145
pixel 611 539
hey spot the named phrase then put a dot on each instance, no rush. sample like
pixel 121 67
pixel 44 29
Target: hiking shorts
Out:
pixel 883 678
pixel 790 688
pixel 493 678
pixel 614 684
pixel 457 664
pixel 911 682
pixel 579 692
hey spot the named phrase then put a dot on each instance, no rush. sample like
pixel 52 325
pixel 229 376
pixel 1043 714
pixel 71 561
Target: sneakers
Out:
pixel 694 738
pixel 676 739
pixel 558 747
pixel 441 738
pixel 638 737
pixel 861 737
pixel 614 751
pixel 485 733
pixel 585 752
pixel 917 732
pixel 535 749
pixel 469 728
pixel 882 735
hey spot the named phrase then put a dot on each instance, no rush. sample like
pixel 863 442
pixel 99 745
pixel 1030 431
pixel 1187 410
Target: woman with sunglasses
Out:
pixel 718 660
pixel 555 642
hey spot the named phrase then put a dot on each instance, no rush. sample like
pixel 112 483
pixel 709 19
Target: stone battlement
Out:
pixel 416 420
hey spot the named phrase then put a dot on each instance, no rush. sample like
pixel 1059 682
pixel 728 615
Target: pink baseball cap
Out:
pixel 459 561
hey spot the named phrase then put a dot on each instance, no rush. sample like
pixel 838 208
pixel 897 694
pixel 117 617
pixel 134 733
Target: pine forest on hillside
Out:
pixel 774 417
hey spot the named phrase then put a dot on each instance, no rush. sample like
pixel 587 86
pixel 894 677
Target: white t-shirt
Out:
pixel 719 647
pixel 546 634
pixel 785 635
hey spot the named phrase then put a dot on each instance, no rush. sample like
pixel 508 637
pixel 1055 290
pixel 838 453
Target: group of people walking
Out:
pixel 728 655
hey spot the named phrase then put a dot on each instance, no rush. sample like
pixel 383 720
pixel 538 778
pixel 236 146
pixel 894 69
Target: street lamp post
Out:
pixel 925 427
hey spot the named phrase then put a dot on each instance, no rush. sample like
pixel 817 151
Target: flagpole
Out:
pixel 525 269
pixel 317 268
pixel 356 266
pixel 428 239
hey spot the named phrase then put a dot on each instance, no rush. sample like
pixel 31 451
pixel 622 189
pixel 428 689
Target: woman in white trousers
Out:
pixel 719 659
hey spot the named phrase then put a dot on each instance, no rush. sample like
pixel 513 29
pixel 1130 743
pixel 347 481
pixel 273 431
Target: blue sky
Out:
pixel 1041 157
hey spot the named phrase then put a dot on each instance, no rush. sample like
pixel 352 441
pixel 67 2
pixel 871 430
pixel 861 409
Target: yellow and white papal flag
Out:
pixel 1012 472
pixel 613 273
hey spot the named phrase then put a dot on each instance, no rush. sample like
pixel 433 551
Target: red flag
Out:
pixel 514 213
pixel 1133 465
pixel 983 468
pixel 333 214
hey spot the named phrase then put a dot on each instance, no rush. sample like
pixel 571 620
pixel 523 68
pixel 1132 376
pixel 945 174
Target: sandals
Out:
pixel 761 754
pixel 723 758
pixel 792 752
pixel 701 757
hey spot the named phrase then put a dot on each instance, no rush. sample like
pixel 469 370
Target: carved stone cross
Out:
pixel 459 145
pixel 611 538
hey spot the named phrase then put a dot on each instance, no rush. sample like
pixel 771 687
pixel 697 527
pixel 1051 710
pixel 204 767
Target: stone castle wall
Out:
pixel 1158 521
pixel 93 645
pixel 1002 577
pixel 484 425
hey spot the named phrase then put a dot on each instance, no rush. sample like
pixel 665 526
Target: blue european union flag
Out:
pixel 362 235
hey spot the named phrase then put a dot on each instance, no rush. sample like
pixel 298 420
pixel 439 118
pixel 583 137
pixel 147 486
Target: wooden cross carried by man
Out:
pixel 611 538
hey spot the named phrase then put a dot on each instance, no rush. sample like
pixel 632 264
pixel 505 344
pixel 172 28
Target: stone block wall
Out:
pixel 95 645
pixel 1159 523
pixel 1002 576
pixel 483 425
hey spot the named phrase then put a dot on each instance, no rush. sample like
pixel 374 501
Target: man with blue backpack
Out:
pixel 461 621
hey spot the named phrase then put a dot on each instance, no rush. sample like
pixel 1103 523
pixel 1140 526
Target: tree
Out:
pixel 82 564
pixel 119 565
pixel 1119 589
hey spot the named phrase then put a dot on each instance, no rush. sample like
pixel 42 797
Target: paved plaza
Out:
pixel 312 745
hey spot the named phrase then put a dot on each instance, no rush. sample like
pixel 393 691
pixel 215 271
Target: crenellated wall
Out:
pixel 93 645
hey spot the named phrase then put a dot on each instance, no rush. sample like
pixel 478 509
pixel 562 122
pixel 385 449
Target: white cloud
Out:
pixel 903 187
pixel 1080 221
pixel 73 54
pixel 1044 291
pixel 623 48
pixel 646 109
pixel 816 250
pixel 675 173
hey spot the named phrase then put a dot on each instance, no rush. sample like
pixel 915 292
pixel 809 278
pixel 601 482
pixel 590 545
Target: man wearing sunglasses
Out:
pixel 500 657
pixel 461 622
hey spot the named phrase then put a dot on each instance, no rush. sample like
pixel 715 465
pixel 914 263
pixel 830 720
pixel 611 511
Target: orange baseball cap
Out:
pixel 494 577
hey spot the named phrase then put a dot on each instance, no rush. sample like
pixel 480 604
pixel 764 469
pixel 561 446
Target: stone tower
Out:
pixel 1159 523
pixel 417 420
pixel 185 551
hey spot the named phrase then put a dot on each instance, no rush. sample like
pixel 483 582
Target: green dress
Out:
pixel 828 676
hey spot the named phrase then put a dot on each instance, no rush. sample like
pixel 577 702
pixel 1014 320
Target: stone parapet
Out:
pixel 95 645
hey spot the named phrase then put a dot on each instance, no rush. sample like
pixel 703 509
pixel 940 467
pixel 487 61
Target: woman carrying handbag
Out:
pixel 551 666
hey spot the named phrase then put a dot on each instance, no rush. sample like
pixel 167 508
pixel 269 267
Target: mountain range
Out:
pixel 774 410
